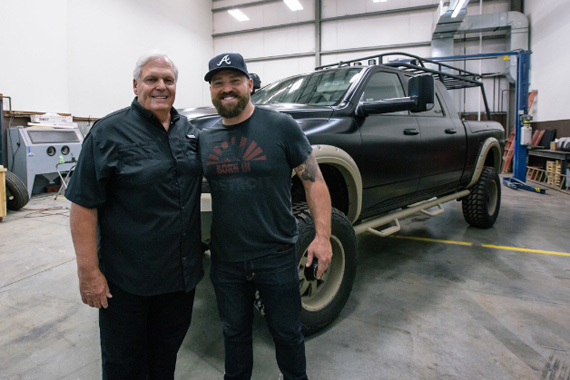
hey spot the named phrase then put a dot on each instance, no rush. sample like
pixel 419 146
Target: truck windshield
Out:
pixel 326 88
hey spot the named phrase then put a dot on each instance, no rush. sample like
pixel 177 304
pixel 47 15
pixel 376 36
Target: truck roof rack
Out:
pixel 452 77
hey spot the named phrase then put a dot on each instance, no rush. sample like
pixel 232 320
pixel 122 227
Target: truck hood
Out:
pixel 203 117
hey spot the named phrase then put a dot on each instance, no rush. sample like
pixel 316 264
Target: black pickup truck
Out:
pixel 390 144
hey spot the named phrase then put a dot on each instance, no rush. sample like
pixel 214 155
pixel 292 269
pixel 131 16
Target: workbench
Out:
pixel 560 155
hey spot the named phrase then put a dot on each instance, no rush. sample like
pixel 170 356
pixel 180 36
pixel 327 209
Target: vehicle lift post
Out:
pixel 521 101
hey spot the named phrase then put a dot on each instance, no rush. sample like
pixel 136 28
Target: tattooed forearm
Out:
pixel 309 169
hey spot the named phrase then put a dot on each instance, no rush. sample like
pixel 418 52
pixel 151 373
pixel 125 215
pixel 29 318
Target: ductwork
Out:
pixel 445 25
pixel 518 36
pixel 445 28
pixel 442 43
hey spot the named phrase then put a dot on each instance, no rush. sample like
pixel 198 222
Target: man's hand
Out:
pixel 322 250
pixel 92 284
pixel 94 289
pixel 319 201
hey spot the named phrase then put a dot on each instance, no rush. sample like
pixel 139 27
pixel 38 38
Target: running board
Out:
pixel 386 231
pixel 370 225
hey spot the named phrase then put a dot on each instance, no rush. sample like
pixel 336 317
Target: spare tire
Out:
pixel 16 192
pixel 322 300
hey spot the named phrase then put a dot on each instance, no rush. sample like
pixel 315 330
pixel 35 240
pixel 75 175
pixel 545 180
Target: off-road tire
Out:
pixel 16 192
pixel 481 206
pixel 322 300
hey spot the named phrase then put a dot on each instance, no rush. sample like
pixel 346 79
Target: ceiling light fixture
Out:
pixel 458 7
pixel 294 5
pixel 239 15
pixel 379 1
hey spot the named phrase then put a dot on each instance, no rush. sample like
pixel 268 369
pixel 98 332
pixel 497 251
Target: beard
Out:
pixel 230 111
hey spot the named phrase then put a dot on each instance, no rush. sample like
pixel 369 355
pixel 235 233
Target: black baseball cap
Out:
pixel 226 61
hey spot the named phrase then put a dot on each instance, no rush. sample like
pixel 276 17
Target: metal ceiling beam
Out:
pixel 318 32
pixel 244 5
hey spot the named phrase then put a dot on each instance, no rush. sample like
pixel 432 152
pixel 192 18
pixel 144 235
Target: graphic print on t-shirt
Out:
pixel 230 158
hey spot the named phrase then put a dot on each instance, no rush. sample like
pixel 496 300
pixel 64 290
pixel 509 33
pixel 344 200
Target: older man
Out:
pixel 135 223
pixel 247 158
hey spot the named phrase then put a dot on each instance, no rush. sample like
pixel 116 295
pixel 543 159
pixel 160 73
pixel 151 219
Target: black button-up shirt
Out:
pixel 144 182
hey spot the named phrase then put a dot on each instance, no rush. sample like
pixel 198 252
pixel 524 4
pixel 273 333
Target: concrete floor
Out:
pixel 422 307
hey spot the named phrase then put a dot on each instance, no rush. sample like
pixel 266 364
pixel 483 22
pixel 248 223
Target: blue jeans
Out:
pixel 276 277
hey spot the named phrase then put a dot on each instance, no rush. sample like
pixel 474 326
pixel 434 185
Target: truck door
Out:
pixel 390 146
pixel 444 147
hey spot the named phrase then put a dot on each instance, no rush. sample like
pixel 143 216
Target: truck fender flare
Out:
pixel 341 160
pixel 491 144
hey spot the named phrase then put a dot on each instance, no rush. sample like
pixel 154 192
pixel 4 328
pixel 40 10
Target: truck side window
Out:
pixel 436 111
pixel 384 85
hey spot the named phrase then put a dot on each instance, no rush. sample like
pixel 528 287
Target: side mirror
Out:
pixel 421 89
pixel 421 98
pixel 385 106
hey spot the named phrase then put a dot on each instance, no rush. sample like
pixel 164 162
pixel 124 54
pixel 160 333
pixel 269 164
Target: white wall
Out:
pixel 389 29
pixel 550 32
pixel 33 67
pixel 77 56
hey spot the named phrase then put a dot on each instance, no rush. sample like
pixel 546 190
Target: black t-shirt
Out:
pixel 145 184
pixel 248 167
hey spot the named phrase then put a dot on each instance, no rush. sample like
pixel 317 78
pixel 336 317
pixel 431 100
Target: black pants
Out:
pixel 140 336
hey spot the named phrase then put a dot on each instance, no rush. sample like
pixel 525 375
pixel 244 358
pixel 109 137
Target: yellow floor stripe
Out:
pixel 557 253
pixel 433 240
pixel 526 250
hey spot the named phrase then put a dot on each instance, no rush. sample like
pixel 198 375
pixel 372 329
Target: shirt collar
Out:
pixel 174 115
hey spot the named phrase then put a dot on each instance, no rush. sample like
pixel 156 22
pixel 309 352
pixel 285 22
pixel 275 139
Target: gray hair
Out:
pixel 145 58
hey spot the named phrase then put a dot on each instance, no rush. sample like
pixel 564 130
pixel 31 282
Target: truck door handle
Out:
pixel 411 131
pixel 450 131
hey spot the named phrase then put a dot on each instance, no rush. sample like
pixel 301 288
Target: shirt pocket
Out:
pixel 141 164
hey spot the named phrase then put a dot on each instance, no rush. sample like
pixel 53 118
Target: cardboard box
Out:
pixel 51 118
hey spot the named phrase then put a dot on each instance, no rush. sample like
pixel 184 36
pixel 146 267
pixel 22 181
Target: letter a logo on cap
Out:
pixel 226 60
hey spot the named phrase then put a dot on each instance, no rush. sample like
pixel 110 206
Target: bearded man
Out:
pixel 247 158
